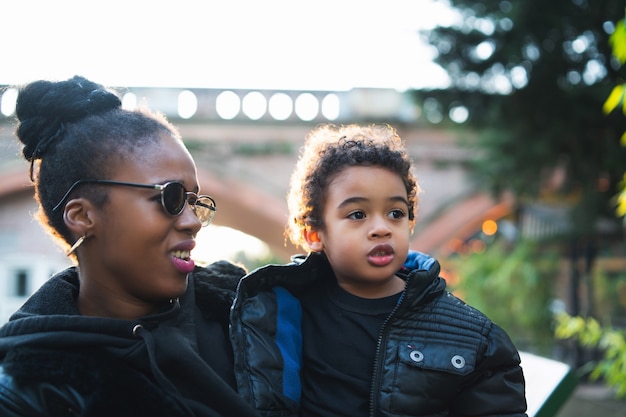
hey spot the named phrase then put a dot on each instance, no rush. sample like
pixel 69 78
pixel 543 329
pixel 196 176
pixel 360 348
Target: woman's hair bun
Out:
pixel 44 107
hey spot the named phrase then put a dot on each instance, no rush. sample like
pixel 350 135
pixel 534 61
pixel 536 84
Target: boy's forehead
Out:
pixel 372 179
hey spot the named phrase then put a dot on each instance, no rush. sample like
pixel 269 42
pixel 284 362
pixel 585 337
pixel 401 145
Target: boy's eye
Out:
pixel 356 215
pixel 396 214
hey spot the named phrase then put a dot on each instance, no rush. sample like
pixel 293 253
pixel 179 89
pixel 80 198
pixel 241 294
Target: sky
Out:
pixel 250 44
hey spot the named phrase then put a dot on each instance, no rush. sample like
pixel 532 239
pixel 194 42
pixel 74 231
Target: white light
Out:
pixel 519 77
pixel 129 101
pixel 307 106
pixel 215 243
pixel 9 98
pixel 594 72
pixel 502 84
pixel 459 114
pixel 330 106
pixel 254 105
pixel 484 50
pixel 580 45
pixel 227 105
pixel 280 106
pixel 187 104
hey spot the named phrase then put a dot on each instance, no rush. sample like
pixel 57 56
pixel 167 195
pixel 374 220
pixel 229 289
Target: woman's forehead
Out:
pixel 166 159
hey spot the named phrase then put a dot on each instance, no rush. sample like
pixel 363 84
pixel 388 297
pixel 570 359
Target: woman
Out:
pixel 135 328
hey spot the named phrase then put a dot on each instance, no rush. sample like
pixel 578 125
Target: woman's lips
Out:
pixel 381 255
pixel 182 261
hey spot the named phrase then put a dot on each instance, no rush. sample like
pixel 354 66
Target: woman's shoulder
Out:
pixel 214 288
pixel 220 275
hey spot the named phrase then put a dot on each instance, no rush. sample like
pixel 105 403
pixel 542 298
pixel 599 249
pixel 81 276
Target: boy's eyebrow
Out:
pixel 352 200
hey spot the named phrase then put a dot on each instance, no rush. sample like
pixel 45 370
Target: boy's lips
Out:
pixel 381 255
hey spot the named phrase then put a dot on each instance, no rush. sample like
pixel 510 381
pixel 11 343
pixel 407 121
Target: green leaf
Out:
pixel 615 99
pixel 617 40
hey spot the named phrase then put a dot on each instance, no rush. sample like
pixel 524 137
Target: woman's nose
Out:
pixel 188 220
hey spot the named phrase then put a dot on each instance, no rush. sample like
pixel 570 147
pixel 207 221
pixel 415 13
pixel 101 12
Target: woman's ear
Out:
pixel 78 216
pixel 312 238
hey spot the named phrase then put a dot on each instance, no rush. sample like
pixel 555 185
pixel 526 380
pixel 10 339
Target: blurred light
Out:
pixel 484 50
pixel 519 77
pixel 227 105
pixel 254 105
pixel 580 44
pixel 330 106
pixel 505 24
pixel 432 110
pixel 594 71
pixel 532 52
pixel 456 245
pixel 477 246
pixel 215 243
pixel 280 106
pixel 129 101
pixel 9 98
pixel 502 84
pixel 608 27
pixel 187 104
pixel 490 227
pixel 472 80
pixel 574 77
pixel 486 26
pixel 307 106
pixel 459 114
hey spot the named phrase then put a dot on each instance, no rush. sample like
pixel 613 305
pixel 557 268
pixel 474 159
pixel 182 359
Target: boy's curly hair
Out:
pixel 328 149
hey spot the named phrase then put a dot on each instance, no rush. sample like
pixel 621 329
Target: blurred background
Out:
pixel 512 111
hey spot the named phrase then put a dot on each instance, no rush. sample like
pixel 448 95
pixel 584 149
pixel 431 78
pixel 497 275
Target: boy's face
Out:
pixel 366 230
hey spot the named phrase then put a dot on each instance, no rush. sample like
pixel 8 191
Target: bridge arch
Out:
pixel 246 208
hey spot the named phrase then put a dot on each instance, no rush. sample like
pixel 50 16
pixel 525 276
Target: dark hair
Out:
pixel 329 149
pixel 76 129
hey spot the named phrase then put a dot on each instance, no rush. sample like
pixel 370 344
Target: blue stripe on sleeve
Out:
pixel 289 341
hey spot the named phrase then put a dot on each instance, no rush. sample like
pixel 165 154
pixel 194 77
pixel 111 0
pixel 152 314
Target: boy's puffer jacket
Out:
pixel 437 355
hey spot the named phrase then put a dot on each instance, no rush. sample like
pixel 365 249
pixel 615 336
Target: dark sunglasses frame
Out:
pixel 204 201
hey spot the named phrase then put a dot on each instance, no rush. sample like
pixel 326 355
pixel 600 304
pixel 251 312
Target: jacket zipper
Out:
pixel 382 340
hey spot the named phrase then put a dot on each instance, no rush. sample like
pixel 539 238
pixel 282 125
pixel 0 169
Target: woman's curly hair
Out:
pixel 328 149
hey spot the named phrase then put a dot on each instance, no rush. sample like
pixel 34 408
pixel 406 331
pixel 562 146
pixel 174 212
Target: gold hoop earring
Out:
pixel 76 245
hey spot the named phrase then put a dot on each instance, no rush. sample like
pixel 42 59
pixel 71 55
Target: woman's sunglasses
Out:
pixel 173 198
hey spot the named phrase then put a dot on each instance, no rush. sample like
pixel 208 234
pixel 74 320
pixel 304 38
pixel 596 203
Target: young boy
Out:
pixel 363 326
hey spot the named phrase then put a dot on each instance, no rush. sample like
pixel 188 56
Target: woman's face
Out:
pixel 137 256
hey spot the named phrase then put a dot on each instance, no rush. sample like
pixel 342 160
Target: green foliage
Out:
pixel 617 98
pixel 536 99
pixel 514 287
pixel 612 342
pixel 617 40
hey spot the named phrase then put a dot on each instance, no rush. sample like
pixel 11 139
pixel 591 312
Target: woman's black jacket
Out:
pixel 55 362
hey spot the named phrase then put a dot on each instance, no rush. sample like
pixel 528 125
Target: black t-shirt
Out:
pixel 340 333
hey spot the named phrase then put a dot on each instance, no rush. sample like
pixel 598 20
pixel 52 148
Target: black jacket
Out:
pixel 437 357
pixel 56 362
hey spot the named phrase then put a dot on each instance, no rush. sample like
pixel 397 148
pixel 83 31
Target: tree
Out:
pixel 588 331
pixel 533 76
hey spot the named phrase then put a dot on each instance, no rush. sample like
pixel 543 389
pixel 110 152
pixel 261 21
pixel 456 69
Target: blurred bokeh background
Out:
pixel 512 111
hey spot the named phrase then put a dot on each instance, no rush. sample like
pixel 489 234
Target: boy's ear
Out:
pixel 78 216
pixel 312 238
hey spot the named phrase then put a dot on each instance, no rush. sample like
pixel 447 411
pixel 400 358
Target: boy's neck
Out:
pixel 394 285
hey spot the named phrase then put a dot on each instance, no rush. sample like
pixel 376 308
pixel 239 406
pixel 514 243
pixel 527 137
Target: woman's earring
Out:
pixel 76 245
